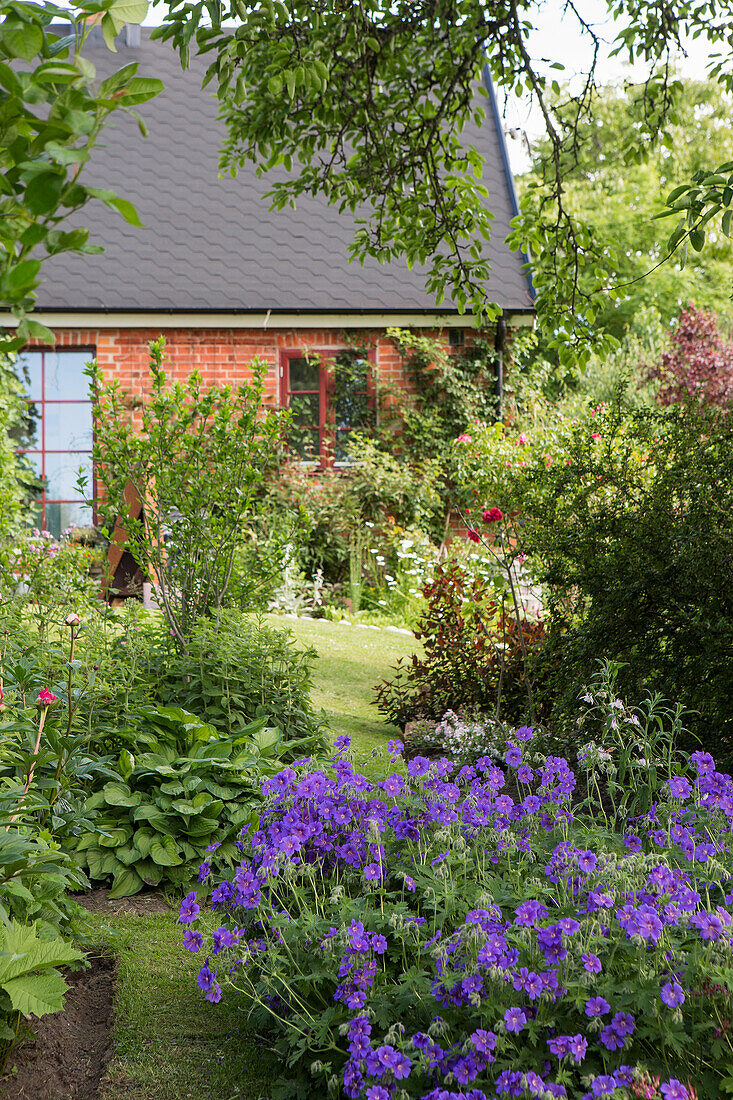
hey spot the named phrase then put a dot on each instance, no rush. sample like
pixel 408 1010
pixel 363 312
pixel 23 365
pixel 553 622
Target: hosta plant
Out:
pixel 181 792
pixel 431 935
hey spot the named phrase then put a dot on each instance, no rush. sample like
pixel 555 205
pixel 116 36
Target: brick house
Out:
pixel 224 280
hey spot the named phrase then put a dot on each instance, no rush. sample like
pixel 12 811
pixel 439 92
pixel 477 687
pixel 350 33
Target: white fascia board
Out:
pixel 263 321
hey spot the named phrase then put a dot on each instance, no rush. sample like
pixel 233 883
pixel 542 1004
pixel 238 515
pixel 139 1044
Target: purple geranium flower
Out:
pixel 597 1006
pixel 674 1090
pixel 514 1019
pixel 192 941
pixel 189 909
pixel 672 994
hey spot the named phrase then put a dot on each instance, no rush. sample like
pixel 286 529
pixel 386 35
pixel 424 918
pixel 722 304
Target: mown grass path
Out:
pixel 351 659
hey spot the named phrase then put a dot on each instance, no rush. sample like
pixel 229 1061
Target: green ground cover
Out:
pixel 351 659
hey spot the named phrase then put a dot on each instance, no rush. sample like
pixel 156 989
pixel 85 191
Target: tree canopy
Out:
pixel 365 101
pixel 615 188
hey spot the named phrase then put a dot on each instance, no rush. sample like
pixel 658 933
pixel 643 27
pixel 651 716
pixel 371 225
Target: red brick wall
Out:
pixel 221 355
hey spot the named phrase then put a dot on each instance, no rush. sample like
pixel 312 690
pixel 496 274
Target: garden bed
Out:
pixel 67 1057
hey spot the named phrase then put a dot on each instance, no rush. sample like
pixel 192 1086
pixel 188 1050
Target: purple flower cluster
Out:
pixel 538 967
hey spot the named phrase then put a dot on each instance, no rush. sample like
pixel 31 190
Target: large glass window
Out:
pixel 330 395
pixel 58 439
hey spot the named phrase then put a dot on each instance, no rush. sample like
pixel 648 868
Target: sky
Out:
pixel 558 38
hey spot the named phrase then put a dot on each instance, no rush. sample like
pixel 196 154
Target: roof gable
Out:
pixel 210 243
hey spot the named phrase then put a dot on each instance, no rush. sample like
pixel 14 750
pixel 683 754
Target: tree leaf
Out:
pixel 23 40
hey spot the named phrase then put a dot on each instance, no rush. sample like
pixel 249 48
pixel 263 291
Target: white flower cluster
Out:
pixel 467 740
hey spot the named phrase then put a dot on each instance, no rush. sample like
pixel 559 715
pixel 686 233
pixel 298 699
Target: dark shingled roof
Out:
pixel 210 243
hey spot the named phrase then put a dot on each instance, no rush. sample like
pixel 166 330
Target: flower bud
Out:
pixel 72 619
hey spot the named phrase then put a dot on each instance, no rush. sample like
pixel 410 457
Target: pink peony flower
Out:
pixel 72 619
pixel 492 515
pixel 464 438
pixel 474 536
pixel 45 698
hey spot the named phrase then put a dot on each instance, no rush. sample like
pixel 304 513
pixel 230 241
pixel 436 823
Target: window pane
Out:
pixel 304 374
pixel 304 443
pixel 64 378
pixel 60 516
pixel 28 434
pixel 68 427
pixel 352 410
pixel 341 450
pixel 62 472
pixel 28 369
pixel 304 408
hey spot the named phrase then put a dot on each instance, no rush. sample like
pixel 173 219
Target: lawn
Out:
pixel 351 659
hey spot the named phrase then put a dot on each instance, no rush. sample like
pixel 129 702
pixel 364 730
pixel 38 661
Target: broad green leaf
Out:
pixel 113 838
pixel 118 794
pixel 125 883
pixel 142 839
pixel 40 332
pixel 126 764
pixel 129 11
pixel 23 40
pixel 112 83
pixel 150 873
pixel 139 90
pixel 37 994
pixel 165 852
pixel 23 274
pixel 43 192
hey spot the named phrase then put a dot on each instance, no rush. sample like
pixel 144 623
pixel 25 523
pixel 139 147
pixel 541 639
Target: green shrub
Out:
pixel 197 459
pixel 472 655
pixel 627 521
pixel 239 669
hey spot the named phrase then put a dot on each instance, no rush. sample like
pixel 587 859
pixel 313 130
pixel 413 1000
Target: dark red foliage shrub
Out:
pixel 698 364
pixel 464 636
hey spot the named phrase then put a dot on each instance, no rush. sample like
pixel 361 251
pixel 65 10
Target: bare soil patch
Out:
pixel 139 905
pixel 67 1055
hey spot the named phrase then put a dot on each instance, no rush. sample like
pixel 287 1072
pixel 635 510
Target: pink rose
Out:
pixel 465 438
pixel 492 515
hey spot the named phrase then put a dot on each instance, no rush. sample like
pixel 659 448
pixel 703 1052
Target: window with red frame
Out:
pixel 330 395
pixel 58 437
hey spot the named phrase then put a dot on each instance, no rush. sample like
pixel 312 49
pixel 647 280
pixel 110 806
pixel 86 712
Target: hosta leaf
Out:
pixel 165 852
pixel 127 854
pixel 142 839
pixel 125 883
pixel 172 787
pixel 118 794
pixel 113 838
pixel 149 872
pixel 186 807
